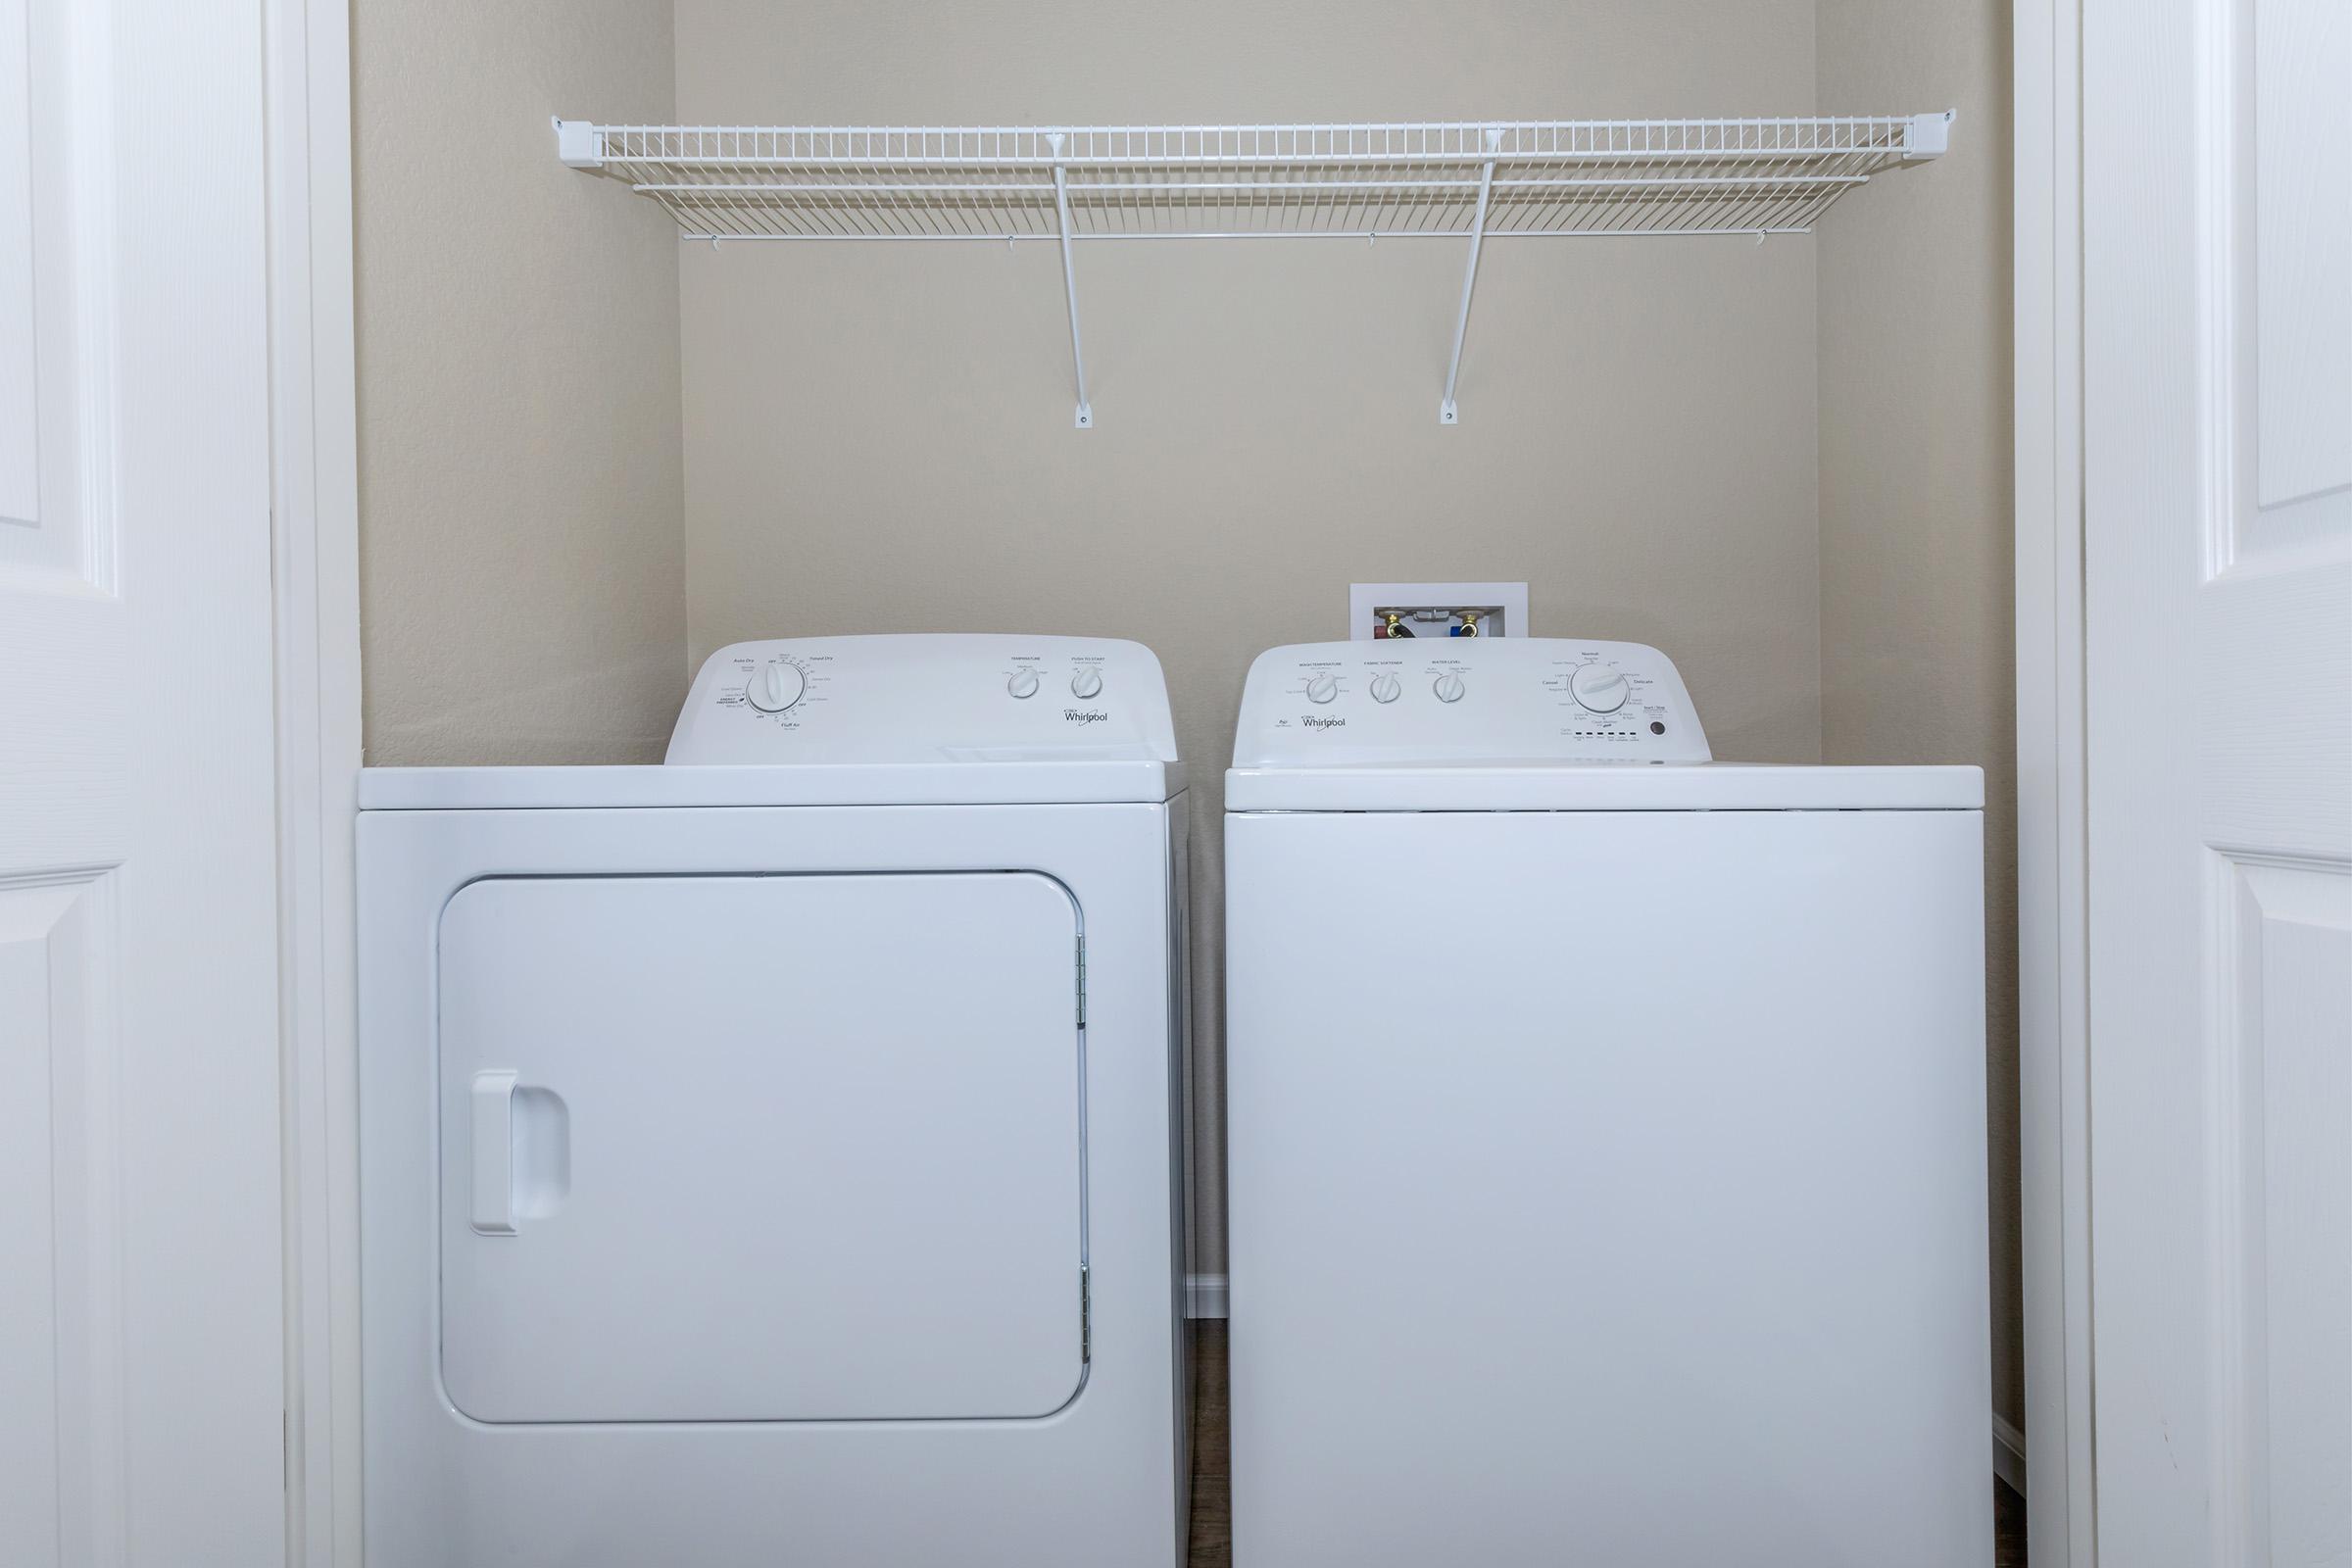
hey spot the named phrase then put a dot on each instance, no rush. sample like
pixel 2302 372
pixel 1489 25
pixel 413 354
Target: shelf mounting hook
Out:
pixel 1069 277
pixel 1478 234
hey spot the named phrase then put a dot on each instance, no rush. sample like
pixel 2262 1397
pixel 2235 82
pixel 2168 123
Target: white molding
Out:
pixel 71 66
pixel 1205 1296
pixel 2009 1454
pixel 88 1273
pixel 2053 1020
pixel 314 561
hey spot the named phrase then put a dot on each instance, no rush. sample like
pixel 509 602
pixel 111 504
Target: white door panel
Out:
pixel 2289 981
pixel 761 1147
pixel 44 1047
pixel 2218 462
pixel 56 318
pixel 140 1279
pixel 20 319
pixel 2301 123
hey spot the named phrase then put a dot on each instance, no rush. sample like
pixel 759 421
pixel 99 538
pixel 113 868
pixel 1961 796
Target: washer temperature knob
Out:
pixel 1322 689
pixel 1448 688
pixel 1086 683
pixel 775 687
pixel 1600 687
pixel 1023 683
pixel 1385 688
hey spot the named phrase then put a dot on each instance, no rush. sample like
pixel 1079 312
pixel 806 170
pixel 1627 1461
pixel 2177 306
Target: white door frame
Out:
pixel 2053 1021
pixel 314 568
pixel 316 547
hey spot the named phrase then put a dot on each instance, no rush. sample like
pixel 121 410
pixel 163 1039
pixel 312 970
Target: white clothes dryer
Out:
pixel 1605 1128
pixel 773 1157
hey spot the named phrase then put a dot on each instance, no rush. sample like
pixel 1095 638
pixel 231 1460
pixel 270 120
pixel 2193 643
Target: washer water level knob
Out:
pixel 1448 688
pixel 1385 688
pixel 1600 687
pixel 1023 683
pixel 775 687
pixel 1322 688
pixel 1086 683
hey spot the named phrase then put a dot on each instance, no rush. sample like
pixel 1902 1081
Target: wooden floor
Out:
pixel 1212 1511
pixel 1212 1455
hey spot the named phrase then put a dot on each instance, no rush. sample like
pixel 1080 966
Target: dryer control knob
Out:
pixel 1087 682
pixel 1385 688
pixel 1023 683
pixel 1600 687
pixel 775 687
pixel 1448 688
pixel 1322 689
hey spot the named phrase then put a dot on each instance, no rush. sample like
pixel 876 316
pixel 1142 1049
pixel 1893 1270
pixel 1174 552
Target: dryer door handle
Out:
pixel 494 1152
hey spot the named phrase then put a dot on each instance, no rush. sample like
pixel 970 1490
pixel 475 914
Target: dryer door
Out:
pixel 761 1147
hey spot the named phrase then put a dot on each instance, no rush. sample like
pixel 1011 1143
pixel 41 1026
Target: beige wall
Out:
pixel 522 546
pixel 878 438
pixel 1916 563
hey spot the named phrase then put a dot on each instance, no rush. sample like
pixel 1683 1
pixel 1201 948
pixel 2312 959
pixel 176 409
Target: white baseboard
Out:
pixel 2009 1454
pixel 1204 1297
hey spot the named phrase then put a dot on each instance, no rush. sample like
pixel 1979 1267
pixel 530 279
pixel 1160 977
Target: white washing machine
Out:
pixel 772 1158
pixel 1606 1128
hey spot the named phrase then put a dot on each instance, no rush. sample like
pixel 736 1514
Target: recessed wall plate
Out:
pixel 1437 608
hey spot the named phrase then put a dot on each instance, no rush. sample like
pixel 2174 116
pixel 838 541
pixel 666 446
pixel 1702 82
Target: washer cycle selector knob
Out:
pixel 1448 688
pixel 1086 683
pixel 775 687
pixel 1600 687
pixel 1023 683
pixel 1385 688
pixel 1322 689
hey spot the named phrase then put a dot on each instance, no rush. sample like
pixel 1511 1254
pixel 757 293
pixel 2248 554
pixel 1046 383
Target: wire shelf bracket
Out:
pixel 1075 185
pixel 1446 414
pixel 1069 281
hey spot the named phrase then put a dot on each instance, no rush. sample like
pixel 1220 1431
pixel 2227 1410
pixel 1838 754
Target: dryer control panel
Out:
pixel 1513 699
pixel 951 696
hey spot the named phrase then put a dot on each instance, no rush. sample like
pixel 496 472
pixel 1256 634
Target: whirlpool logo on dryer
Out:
pixel 1322 721
pixel 1084 716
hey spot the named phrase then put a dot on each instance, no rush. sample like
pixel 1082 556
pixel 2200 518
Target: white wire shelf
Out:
pixel 1466 180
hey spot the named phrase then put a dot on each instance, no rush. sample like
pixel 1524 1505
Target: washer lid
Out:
pixel 1549 786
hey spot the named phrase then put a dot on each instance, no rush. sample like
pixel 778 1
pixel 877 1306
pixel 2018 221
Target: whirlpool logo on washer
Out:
pixel 1321 721
pixel 1084 716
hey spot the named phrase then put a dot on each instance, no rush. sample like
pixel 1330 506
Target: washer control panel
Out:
pixel 924 699
pixel 1510 699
